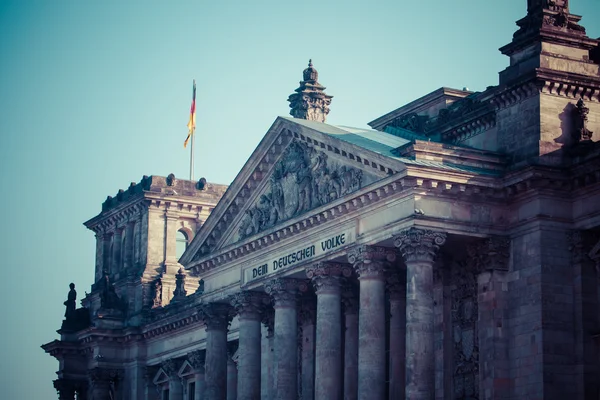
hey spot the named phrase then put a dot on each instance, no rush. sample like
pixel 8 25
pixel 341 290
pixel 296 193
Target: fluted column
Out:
pixel 216 316
pixel 248 306
pixel 267 345
pixel 418 248
pixel 350 300
pixel 197 360
pixel 284 292
pixel 396 286
pixel 308 316
pixel 326 279
pixel 369 263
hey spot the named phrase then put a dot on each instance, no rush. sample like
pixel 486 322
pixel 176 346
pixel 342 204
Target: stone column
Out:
pixel 196 359
pixel 171 367
pixel 100 245
pixel 128 251
pixel 326 279
pixel 217 317
pixel 369 263
pixel 418 248
pixel 116 255
pixel 232 378
pixel 351 301
pixel 284 292
pixel 106 254
pixel 396 286
pixel 308 315
pixel 248 306
pixel 267 345
pixel 171 240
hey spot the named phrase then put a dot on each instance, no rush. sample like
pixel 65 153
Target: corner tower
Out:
pixel 310 100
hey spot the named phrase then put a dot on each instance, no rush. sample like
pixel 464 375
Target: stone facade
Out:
pixel 455 254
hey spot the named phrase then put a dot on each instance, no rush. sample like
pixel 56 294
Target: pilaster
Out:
pixel 217 317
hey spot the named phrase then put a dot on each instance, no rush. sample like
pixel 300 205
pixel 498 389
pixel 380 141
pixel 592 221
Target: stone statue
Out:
pixel 70 303
pixel 157 301
pixel 581 133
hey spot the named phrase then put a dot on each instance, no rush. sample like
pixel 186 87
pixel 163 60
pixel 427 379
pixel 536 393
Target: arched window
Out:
pixel 182 243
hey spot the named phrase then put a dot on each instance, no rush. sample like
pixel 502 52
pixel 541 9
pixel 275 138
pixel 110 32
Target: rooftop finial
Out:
pixel 310 100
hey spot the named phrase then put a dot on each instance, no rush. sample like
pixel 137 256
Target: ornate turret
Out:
pixel 310 100
pixel 550 33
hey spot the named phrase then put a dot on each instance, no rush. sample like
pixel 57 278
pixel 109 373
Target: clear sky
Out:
pixel 95 94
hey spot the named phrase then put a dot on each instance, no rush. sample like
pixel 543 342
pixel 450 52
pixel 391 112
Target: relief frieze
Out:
pixel 302 180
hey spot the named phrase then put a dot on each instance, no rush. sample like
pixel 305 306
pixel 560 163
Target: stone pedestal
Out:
pixel 284 293
pixel 248 306
pixel 369 263
pixel 216 316
pixel 418 248
pixel 232 379
pixel 396 286
pixel 350 300
pixel 308 315
pixel 326 279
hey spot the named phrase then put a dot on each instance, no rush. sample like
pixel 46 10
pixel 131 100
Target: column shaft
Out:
pixel 371 339
pixel 351 357
pixel 328 360
pixel 286 333
pixel 232 379
pixel 199 386
pixel 308 361
pixel 396 285
pixel 216 317
pixel 249 368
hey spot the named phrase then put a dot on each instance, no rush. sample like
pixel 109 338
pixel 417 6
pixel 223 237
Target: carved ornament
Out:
pixel 326 277
pixel 170 367
pixel 283 291
pixel 216 316
pixel 580 113
pixel 196 359
pixel 419 244
pixel 371 261
pixel 248 304
pixel 301 181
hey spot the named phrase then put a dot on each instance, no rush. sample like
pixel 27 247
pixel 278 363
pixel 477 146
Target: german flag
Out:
pixel 192 122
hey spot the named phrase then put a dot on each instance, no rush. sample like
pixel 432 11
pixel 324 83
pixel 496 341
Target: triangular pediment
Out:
pixel 160 377
pixel 298 167
pixel 186 369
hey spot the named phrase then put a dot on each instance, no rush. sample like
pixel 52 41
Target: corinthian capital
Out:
pixel 327 276
pixel 216 316
pixel 419 244
pixel 371 261
pixel 248 304
pixel 284 291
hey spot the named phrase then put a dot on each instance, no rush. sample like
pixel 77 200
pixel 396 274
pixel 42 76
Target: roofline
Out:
pixel 380 122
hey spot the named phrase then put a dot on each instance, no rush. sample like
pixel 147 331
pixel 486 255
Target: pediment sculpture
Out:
pixel 302 180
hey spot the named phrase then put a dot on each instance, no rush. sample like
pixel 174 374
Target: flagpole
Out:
pixel 193 134
pixel 192 156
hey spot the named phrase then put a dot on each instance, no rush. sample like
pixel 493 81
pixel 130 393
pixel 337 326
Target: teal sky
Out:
pixel 95 94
